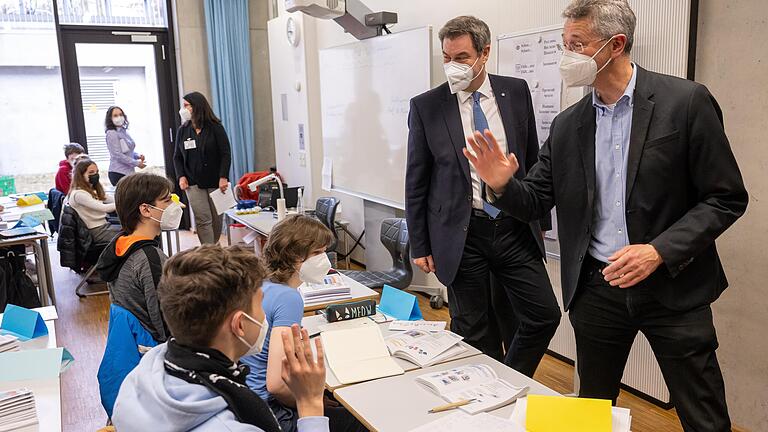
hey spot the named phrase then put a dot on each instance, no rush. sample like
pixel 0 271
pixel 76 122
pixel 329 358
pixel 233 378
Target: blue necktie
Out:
pixel 481 124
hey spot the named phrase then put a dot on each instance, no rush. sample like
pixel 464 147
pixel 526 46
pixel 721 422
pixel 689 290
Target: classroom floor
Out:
pixel 82 329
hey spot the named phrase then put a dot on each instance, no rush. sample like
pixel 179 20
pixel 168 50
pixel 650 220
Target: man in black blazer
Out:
pixel 644 182
pixel 453 231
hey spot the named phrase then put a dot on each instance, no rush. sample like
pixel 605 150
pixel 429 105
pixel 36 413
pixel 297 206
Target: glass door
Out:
pixel 104 68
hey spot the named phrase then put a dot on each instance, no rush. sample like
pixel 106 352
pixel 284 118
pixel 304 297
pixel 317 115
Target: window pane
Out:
pixel 131 13
pixel 33 118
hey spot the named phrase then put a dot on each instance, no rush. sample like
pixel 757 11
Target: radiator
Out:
pixel 642 372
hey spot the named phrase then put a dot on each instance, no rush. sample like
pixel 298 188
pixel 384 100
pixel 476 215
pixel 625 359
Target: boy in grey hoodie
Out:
pixel 132 262
pixel 211 299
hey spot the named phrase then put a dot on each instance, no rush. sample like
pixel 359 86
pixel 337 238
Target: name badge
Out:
pixel 190 144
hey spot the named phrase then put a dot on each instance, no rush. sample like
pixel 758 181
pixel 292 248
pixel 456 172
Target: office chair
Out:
pixel 394 237
pixel 325 210
pixel 77 249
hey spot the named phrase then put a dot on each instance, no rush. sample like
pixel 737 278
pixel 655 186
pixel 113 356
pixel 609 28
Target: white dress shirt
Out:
pixel 491 111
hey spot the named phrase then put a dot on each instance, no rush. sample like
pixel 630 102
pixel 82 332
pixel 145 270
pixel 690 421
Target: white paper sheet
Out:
pixel 430 326
pixel 223 201
pixel 461 422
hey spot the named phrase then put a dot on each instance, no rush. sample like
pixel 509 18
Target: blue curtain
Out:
pixel 229 57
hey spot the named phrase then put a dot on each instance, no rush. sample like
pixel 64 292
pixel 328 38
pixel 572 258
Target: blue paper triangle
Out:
pixel 23 323
pixel 399 304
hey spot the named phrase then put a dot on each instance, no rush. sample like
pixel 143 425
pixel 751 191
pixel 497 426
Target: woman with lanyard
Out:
pixel 202 158
pixel 122 158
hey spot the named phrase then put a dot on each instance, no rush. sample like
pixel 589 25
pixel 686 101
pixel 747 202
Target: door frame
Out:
pixel 165 67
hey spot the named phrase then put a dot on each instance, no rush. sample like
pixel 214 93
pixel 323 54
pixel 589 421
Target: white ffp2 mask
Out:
pixel 315 268
pixel 171 217
pixel 460 75
pixel 580 70
pixel 259 344
pixel 185 115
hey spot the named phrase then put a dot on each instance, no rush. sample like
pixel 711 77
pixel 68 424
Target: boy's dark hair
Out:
pixel 201 287
pixel 202 113
pixel 108 125
pixel 73 148
pixel 290 242
pixel 137 189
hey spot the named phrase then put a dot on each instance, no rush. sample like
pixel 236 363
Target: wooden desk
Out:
pixel 399 403
pixel 332 383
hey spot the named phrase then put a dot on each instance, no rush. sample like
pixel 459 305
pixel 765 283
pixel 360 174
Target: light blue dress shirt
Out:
pixel 612 132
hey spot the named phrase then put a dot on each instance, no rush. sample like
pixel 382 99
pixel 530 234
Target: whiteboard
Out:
pixel 534 55
pixel 365 93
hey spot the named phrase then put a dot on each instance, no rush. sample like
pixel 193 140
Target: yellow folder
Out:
pixel 566 414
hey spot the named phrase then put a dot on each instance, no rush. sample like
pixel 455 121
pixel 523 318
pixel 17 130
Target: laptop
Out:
pixel 291 196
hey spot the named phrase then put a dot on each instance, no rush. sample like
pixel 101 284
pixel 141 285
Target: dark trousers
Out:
pixel 114 177
pixel 486 313
pixel 606 320
pixel 339 419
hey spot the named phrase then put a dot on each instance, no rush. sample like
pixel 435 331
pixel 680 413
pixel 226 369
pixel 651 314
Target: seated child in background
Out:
pixel 294 253
pixel 64 176
pixel 87 197
pixel 211 300
pixel 132 262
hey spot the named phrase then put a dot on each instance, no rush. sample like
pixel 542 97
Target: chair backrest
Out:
pixel 394 237
pixel 55 202
pixel 75 243
pixel 325 210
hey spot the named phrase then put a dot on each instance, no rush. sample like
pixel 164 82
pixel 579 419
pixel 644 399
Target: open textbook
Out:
pixel 425 348
pixel 474 381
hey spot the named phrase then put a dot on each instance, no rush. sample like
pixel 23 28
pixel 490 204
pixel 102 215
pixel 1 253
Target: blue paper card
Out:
pixel 399 304
pixel 23 323
pixel 34 364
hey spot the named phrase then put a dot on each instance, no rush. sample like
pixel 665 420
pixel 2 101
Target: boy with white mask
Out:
pixel 212 301
pixel 294 254
pixel 132 262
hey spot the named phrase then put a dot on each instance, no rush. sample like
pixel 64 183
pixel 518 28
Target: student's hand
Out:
pixel 223 182
pixel 631 265
pixel 183 184
pixel 426 264
pixel 491 164
pixel 302 374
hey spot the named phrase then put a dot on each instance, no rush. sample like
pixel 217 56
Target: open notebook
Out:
pixel 474 381
pixel 425 348
pixel 358 354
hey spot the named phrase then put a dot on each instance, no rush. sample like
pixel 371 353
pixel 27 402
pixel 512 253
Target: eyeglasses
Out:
pixel 578 47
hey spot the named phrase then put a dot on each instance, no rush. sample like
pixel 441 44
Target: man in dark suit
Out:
pixel 644 181
pixel 491 263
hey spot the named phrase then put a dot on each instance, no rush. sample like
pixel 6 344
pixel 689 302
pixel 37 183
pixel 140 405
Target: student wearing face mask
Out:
pixel 211 298
pixel 294 253
pixel 491 263
pixel 133 261
pixel 72 151
pixel 123 158
pixel 87 197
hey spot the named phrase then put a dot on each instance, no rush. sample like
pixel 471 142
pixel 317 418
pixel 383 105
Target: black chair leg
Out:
pixel 84 282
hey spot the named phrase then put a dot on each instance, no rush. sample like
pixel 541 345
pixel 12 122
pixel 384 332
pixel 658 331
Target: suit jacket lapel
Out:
pixel 642 112
pixel 503 99
pixel 456 131
pixel 586 144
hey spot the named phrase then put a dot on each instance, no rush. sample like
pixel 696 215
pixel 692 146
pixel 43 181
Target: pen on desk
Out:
pixel 450 406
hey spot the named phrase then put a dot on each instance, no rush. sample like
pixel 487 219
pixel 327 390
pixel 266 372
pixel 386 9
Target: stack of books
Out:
pixel 8 343
pixel 17 409
pixel 333 289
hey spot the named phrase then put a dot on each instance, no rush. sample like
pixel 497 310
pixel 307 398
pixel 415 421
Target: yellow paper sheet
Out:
pixel 566 414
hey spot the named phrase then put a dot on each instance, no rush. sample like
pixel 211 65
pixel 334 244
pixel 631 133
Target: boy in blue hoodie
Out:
pixel 211 300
